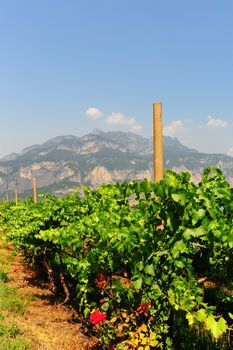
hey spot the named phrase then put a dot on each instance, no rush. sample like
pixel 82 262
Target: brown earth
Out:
pixel 46 324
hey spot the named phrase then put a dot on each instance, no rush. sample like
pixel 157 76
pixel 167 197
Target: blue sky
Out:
pixel 69 66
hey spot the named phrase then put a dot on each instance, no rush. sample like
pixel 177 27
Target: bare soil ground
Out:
pixel 46 324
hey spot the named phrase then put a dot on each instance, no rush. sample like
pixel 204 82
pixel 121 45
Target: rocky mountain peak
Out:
pixel 67 162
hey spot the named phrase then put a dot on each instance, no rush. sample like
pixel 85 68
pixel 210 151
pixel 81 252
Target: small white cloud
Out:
pixel 230 152
pixel 174 128
pixel 118 118
pixel 216 123
pixel 93 113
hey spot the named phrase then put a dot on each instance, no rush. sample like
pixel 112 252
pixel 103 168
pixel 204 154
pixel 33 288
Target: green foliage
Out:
pixel 10 305
pixel 140 250
pixel 10 338
pixel 3 276
pixel 10 301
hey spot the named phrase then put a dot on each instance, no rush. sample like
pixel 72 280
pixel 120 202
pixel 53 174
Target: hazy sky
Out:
pixel 69 66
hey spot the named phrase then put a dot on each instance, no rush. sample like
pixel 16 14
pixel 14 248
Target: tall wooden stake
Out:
pixel 34 189
pixel 16 195
pixel 158 141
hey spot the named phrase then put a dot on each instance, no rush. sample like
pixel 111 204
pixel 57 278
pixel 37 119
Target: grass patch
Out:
pixel 11 305
pixel 10 301
pixel 13 344
pixel 10 338
pixel 4 276
pixel 11 331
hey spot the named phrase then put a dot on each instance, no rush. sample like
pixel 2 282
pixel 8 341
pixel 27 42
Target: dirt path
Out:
pixel 46 324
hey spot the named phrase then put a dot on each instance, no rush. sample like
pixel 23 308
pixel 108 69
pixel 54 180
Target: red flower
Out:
pixel 97 317
pixel 100 277
pixel 102 301
pixel 100 281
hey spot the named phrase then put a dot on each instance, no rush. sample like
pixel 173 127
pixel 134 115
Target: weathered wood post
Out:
pixel 34 190
pixel 158 141
pixel 16 195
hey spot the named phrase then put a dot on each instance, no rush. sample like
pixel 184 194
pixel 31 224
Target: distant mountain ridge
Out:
pixel 67 162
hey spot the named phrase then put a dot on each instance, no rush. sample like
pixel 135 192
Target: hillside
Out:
pixel 67 162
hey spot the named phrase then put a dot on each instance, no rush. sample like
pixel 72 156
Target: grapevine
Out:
pixel 153 261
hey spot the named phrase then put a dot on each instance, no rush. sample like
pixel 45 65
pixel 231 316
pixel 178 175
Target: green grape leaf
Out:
pixel 138 283
pixel 201 315
pixel 149 269
pixel 217 328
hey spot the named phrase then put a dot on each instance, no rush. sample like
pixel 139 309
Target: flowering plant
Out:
pixel 101 282
pixel 97 317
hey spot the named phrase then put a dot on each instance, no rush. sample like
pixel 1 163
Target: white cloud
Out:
pixel 118 118
pixel 174 128
pixel 230 152
pixel 93 113
pixel 216 123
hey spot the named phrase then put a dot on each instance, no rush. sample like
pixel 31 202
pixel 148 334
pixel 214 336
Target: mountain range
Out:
pixel 67 162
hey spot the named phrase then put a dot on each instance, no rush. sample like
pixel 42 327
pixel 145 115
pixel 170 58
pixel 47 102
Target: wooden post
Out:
pixel 158 141
pixel 34 190
pixel 16 195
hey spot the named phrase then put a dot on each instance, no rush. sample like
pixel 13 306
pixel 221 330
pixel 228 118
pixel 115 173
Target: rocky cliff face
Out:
pixel 67 162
